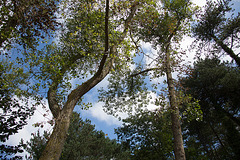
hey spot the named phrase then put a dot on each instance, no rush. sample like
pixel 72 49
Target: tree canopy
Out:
pixel 100 38
pixel 13 105
pixel 216 86
pixel 26 21
pixel 148 135
pixel 216 25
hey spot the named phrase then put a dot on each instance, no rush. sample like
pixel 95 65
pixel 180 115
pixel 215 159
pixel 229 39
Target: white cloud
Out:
pixel 199 2
pixel 185 44
pixel 97 112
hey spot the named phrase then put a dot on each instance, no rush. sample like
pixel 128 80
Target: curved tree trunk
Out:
pixel 56 142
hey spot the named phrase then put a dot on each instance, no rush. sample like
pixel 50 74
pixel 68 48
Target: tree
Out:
pixel 148 135
pixel 25 21
pixel 35 145
pixel 83 142
pixel 14 113
pixel 215 26
pixel 216 86
pixel 175 15
pixel 84 50
pixel 163 29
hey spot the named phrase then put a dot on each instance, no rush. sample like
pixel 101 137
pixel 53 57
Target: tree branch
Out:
pixel 133 9
pixel 52 96
pixel 101 66
pixel 228 50
pixel 52 101
pixel 144 71
pixel 104 67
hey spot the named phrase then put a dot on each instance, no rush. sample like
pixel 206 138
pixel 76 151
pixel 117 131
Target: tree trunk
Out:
pixel 57 139
pixel 176 126
pixel 56 142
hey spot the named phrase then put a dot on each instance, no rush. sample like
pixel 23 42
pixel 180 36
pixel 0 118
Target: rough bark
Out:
pixel 175 118
pixel 176 126
pixel 62 116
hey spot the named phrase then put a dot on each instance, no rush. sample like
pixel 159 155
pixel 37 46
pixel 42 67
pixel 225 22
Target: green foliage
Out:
pixel 190 108
pixel 14 106
pixel 125 93
pixel 163 21
pixel 25 21
pixel 213 21
pixel 217 30
pixel 216 86
pixel 83 142
pixel 13 77
pixel 36 145
pixel 148 135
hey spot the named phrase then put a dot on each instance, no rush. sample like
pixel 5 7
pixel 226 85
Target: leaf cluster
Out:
pixel 25 21
pixel 148 135
pixel 162 21
pixel 14 106
pixel 216 86
pixel 217 23
pixel 212 22
pixel 124 93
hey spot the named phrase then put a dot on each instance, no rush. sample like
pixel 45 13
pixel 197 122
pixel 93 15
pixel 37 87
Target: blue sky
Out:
pixel 99 118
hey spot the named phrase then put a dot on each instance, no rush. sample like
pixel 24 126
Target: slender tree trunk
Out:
pixel 176 126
